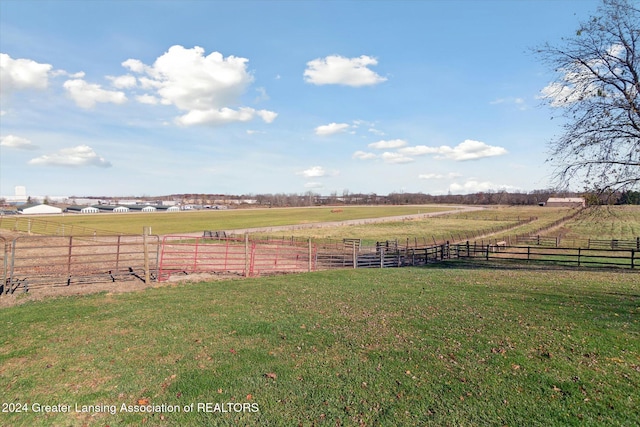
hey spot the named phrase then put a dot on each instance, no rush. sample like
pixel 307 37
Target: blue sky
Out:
pixel 245 97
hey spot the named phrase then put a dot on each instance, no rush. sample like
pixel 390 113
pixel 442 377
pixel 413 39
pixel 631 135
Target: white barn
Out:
pixel 39 210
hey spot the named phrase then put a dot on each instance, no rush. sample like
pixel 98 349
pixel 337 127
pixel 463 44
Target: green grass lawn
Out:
pixel 413 346
pixel 197 221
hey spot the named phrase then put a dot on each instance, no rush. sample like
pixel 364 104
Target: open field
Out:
pixel 187 222
pixel 413 346
pixel 448 227
pixel 604 222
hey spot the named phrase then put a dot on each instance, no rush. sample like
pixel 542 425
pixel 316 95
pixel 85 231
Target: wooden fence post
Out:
pixel 381 257
pixel 633 255
pixel 579 252
pixel 310 261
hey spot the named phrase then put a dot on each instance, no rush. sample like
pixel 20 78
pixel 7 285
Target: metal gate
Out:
pixel 242 256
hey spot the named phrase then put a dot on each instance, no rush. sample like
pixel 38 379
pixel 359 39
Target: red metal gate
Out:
pixel 242 256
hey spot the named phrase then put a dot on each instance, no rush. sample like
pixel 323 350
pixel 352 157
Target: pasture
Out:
pixel 413 346
pixel 196 221
pixel 447 344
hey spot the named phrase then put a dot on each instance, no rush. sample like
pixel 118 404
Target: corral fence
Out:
pixel 235 255
pixel 48 228
pixel 31 262
pixel 559 241
pixel 580 257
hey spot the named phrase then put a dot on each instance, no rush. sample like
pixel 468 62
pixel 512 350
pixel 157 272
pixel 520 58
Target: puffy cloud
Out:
pixel 419 150
pixel 449 175
pixel 123 82
pixel 583 80
pixel 224 115
pixel 474 186
pixel 79 156
pixel 395 158
pixel 331 129
pixel 314 172
pixel 363 155
pixel 393 143
pixel 86 95
pixel 19 74
pixel 203 86
pixel 466 150
pixel 12 141
pixel 339 70
pixel 317 172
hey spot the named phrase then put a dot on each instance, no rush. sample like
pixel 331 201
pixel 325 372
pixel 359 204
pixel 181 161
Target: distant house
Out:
pixel 39 210
pixel 566 202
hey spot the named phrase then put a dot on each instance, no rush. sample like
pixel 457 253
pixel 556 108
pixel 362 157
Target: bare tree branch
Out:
pixel 596 90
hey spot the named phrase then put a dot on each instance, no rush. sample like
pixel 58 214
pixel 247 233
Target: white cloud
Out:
pixel 339 70
pixel 123 82
pixel 79 156
pixel 331 128
pixel 419 150
pixel 20 74
pixel 466 150
pixel 474 186
pixel 583 80
pixel 135 65
pixel 396 158
pixel 393 143
pixel 204 86
pixel 147 99
pixel 363 155
pixel 224 115
pixel 450 175
pixel 313 172
pixel 12 141
pixel 86 95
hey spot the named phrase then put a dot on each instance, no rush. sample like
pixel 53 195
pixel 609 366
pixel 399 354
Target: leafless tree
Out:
pixel 596 90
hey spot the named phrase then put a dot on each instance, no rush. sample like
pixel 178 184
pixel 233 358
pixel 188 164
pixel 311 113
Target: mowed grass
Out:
pixel 403 347
pixel 198 221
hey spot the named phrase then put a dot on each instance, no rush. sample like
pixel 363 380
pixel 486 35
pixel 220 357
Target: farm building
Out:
pixel 566 202
pixel 39 210
pixel 115 209
pixel 82 209
pixel 144 208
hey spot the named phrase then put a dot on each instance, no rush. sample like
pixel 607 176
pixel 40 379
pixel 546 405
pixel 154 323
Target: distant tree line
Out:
pixel 400 198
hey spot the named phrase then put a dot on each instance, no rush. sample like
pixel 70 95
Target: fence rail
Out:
pixel 30 262
pixel 33 262
pixel 48 228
